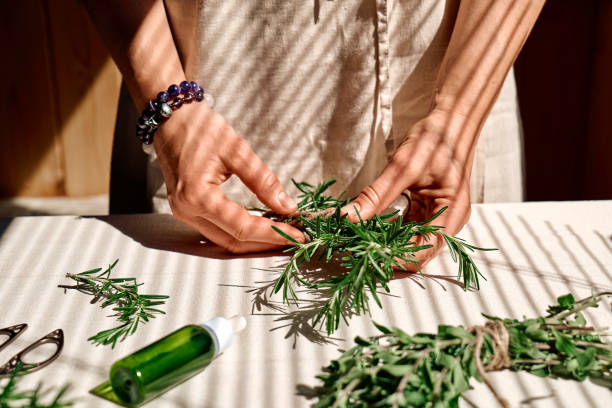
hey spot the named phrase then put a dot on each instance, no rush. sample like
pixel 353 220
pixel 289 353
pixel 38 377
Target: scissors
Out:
pixel 56 337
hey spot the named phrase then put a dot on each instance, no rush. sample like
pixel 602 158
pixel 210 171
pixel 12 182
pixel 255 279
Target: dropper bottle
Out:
pixel 156 368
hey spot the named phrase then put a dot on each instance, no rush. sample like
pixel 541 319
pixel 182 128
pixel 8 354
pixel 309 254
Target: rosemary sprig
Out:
pixel 130 306
pixel 10 397
pixel 396 369
pixel 313 199
pixel 369 251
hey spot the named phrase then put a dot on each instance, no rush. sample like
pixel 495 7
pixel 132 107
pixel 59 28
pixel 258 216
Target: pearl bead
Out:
pixel 165 110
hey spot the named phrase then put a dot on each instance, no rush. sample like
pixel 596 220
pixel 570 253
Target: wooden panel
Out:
pixel 553 74
pixel 59 100
pixel 88 83
pixel 598 172
pixel 30 161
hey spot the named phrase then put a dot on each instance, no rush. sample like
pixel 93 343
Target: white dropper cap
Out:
pixel 222 330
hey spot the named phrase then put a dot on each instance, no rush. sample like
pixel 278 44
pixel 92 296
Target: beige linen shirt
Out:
pixel 324 89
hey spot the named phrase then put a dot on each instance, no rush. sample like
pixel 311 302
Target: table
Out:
pixel 546 250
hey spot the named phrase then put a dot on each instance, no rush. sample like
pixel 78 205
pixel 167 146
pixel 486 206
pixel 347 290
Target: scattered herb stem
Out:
pixel 369 250
pixel 131 307
pixel 396 369
pixel 11 397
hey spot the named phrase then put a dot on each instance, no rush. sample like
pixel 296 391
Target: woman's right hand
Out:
pixel 198 150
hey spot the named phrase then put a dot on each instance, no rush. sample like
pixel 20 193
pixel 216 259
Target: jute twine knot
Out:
pixel 501 357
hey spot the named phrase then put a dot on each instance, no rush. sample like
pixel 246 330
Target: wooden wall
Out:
pixel 564 78
pixel 598 162
pixel 59 92
pixel 58 98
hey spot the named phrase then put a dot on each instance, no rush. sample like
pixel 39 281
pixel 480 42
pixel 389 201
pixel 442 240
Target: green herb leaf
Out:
pixel 564 343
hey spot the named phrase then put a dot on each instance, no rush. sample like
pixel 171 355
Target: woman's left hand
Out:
pixel 430 166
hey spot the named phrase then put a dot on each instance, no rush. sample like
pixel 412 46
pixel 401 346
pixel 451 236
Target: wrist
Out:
pixel 147 71
pixel 172 135
pixel 455 130
pixel 159 109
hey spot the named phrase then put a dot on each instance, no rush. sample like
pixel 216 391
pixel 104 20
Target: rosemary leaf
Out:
pixel 10 397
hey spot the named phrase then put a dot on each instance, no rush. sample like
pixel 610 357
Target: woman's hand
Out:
pixel 427 164
pixel 434 162
pixel 198 150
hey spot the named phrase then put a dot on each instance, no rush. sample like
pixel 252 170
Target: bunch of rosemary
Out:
pixel 369 251
pixel 11 397
pixel 433 370
pixel 130 307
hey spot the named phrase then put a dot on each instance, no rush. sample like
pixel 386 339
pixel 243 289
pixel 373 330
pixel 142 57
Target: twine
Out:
pixel 295 217
pixel 501 357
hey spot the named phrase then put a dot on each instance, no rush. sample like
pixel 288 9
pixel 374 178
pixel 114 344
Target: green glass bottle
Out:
pixel 156 368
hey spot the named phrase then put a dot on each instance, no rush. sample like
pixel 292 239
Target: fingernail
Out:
pixel 348 209
pixel 350 212
pixel 301 238
pixel 286 201
pixel 297 235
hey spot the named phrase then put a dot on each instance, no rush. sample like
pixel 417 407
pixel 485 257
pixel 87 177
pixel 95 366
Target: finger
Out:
pixel 224 240
pixel 210 203
pixel 379 195
pixel 423 256
pixel 259 178
pixel 455 216
pixel 453 219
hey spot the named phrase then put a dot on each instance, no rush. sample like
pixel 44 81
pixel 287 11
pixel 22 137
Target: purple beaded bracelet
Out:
pixel 161 108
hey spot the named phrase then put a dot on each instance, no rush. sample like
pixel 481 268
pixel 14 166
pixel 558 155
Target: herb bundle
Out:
pixel 369 251
pixel 130 306
pixel 11 397
pixel 433 370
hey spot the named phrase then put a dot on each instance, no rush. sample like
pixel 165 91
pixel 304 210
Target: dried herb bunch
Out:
pixel 368 250
pixel 395 369
pixel 11 397
pixel 130 307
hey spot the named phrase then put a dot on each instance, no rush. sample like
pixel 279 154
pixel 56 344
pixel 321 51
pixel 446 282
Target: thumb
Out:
pixel 269 190
pixel 260 180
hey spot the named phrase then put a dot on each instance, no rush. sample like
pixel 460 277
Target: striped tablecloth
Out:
pixel 546 250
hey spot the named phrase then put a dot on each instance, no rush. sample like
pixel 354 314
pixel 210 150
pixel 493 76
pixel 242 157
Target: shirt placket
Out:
pixel 383 64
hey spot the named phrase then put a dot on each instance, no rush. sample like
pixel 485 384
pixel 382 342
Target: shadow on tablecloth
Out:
pixel 165 233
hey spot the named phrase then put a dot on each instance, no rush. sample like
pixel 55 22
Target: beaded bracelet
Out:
pixel 161 108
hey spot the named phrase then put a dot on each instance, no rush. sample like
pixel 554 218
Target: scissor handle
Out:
pixel 12 332
pixel 55 337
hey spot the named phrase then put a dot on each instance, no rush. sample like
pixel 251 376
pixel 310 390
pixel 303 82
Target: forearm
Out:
pixel 486 40
pixel 139 39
